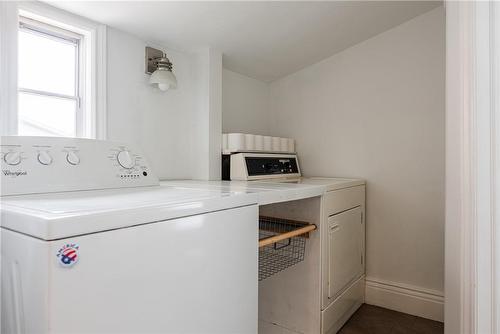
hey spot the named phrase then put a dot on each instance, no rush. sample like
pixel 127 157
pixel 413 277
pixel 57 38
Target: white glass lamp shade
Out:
pixel 164 78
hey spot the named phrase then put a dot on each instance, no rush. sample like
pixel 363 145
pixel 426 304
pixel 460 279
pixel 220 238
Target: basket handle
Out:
pixel 276 247
pixel 287 235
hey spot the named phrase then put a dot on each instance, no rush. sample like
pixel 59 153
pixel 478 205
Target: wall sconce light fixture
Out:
pixel 160 68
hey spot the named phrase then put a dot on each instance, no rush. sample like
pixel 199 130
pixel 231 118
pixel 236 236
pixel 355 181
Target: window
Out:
pixel 52 72
pixel 49 81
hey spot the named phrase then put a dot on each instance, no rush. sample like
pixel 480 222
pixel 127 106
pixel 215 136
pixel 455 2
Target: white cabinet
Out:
pixel 345 250
pixel 343 256
pixel 319 294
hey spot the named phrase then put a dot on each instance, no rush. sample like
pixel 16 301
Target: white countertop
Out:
pixel 266 192
pixel 60 215
pixel 274 191
pixel 329 183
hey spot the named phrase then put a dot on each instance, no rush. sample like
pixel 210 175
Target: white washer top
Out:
pixel 53 187
pixel 60 215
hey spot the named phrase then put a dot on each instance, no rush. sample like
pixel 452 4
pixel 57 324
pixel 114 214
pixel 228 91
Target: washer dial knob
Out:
pixel 72 158
pixel 125 159
pixel 44 158
pixel 12 158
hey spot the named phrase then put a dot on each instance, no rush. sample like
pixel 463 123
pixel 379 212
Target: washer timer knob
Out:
pixel 72 158
pixel 12 158
pixel 125 159
pixel 44 158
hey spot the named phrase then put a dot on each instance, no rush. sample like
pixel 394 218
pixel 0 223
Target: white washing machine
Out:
pixel 91 243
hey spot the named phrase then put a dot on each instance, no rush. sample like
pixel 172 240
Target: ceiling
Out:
pixel 264 40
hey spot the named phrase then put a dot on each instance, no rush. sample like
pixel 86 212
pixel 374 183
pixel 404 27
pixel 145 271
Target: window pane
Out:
pixel 46 64
pixel 46 116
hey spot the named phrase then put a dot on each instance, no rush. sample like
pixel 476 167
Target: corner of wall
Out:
pixel 208 129
pixel 215 114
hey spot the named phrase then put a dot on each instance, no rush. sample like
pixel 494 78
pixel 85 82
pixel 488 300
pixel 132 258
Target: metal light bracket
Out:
pixel 152 55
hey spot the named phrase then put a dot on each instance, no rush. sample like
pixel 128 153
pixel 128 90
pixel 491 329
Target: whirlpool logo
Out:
pixel 7 172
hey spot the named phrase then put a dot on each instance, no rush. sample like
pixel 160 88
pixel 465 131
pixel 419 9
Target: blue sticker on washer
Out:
pixel 67 255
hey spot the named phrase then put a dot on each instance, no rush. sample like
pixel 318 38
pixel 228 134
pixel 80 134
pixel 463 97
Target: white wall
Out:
pixel 244 104
pixel 206 131
pixel 171 127
pixel 179 130
pixel 376 111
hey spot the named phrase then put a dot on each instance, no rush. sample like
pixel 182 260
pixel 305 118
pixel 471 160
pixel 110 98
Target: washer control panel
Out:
pixel 52 164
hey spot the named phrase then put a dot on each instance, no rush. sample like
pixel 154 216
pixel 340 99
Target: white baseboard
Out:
pixel 405 298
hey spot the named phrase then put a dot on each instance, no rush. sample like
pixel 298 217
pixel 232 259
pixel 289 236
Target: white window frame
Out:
pixel 61 35
pixel 93 46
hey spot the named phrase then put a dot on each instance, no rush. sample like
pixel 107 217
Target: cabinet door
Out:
pixel 345 249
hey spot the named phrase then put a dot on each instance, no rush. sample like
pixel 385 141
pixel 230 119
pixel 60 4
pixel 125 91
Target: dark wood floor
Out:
pixel 376 320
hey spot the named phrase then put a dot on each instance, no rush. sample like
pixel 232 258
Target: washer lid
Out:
pixel 61 215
